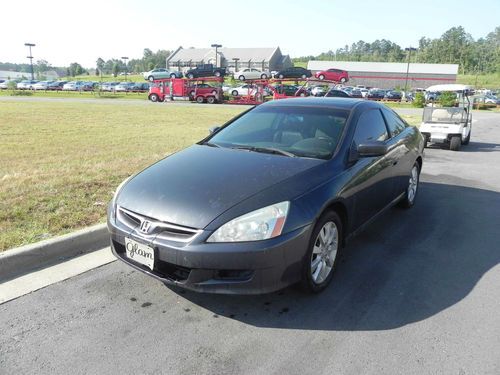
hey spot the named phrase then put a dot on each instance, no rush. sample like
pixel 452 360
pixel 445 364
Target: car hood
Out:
pixel 196 185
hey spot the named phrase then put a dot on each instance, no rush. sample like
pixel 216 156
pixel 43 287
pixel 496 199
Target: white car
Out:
pixel 242 90
pixel 161 73
pixel 4 85
pixel 42 85
pixel 26 85
pixel 251 73
pixel 364 92
pixel 73 86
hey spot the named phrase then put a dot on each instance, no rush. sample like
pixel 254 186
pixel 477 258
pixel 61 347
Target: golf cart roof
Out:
pixel 454 87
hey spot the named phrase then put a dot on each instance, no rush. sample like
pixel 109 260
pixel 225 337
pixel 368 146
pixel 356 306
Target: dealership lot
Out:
pixel 417 292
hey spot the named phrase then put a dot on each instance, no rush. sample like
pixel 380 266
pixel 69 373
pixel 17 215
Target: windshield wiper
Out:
pixel 268 150
pixel 210 144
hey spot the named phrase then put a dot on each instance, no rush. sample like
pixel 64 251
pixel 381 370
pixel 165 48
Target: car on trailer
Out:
pixel 448 125
pixel 161 73
pixel 293 72
pixel 337 75
pixel 251 73
pixel 205 70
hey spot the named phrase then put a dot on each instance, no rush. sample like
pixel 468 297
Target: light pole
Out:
pixel 125 58
pixel 409 49
pixel 236 59
pixel 216 46
pixel 29 45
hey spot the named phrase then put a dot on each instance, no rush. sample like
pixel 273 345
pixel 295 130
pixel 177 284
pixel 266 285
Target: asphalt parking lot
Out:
pixel 416 293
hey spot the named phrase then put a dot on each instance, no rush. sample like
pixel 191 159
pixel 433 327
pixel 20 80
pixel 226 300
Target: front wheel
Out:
pixel 321 77
pixel 241 78
pixel 172 75
pixel 304 76
pixel 412 188
pixel 200 99
pixel 455 143
pixel 234 93
pixel 322 256
pixel 217 74
pixel 151 78
pixel 281 76
pixel 154 98
pixel 342 80
pixel 263 76
pixel 190 75
pixel 211 99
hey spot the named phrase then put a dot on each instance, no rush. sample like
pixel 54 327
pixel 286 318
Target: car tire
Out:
pixel 234 93
pixel 263 76
pixel 190 76
pixel 304 76
pixel 200 99
pixel 343 80
pixel 154 98
pixel 172 76
pixel 426 141
pixel 281 76
pixel 320 256
pixel 412 189
pixel 151 78
pixel 211 99
pixel 241 78
pixel 217 73
pixel 321 77
pixel 455 143
pixel 192 93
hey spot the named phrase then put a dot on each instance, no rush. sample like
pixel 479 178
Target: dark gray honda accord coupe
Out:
pixel 268 199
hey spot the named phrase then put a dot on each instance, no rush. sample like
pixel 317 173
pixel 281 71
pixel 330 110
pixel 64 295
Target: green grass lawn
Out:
pixel 60 162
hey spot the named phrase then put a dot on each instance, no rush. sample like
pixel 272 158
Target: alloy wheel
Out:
pixel 324 252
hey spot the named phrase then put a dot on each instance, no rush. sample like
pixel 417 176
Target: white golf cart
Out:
pixel 450 125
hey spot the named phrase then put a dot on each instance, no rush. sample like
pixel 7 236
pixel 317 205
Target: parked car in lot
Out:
pixel 337 75
pixel 26 84
pixel 124 86
pixel 318 90
pixel 5 84
pixel 56 85
pixel 293 72
pixel 251 73
pixel 73 86
pixel 42 85
pixel 289 193
pixel 205 70
pixel 139 87
pixel 161 73
pixel 393 95
pixel 355 93
pixel 109 86
pixel 376 94
pixel 292 90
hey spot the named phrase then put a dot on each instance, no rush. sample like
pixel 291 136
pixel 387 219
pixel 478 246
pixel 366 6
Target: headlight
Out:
pixel 261 224
pixel 113 201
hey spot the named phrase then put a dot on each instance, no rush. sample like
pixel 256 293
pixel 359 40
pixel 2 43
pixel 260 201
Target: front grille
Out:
pixel 156 229
pixel 162 269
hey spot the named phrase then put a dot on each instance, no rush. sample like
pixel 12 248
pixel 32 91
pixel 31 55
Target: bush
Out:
pixel 448 99
pixel 419 100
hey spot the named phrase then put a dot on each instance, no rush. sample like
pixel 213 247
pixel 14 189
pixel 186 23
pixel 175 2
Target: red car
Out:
pixel 202 89
pixel 336 75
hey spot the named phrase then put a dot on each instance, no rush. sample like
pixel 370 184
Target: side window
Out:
pixel 394 122
pixel 370 127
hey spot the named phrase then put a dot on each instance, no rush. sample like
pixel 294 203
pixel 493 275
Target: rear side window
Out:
pixel 370 127
pixel 394 122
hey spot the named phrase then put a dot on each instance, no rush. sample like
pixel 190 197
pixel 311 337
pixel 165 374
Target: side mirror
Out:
pixel 373 148
pixel 213 129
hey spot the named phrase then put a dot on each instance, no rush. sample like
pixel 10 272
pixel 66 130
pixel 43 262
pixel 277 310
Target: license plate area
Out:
pixel 140 253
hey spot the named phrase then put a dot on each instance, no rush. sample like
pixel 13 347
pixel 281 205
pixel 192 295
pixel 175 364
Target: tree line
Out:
pixel 455 46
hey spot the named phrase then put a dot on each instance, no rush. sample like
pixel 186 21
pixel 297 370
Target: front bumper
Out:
pixel 227 268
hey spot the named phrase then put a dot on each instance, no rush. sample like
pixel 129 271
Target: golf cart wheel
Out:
pixel 455 143
pixel 200 99
pixel 321 259
pixel 151 78
pixel 234 93
pixel 412 189
pixel 154 98
pixel 211 99
pixel 241 78
pixel 321 77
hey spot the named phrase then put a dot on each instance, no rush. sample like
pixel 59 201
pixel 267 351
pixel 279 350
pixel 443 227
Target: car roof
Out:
pixel 340 103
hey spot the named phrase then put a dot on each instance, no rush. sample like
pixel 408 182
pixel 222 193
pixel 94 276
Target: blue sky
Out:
pixel 66 32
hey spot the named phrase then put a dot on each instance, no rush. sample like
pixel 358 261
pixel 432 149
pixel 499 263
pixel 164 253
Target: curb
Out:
pixel 24 259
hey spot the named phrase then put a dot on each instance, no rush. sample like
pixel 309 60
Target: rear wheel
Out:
pixel 455 143
pixel 241 78
pixel 190 75
pixel 211 99
pixel 281 76
pixel 151 78
pixel 342 80
pixel 322 255
pixel 234 93
pixel 200 99
pixel 304 76
pixel 263 76
pixel 412 188
pixel 217 73
pixel 172 75
pixel 321 76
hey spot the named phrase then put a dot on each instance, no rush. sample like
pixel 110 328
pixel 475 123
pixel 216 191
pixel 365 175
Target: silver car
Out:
pixel 251 73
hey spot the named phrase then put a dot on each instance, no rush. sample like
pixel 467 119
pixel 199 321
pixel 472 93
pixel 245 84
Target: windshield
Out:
pixel 296 131
pixel 452 114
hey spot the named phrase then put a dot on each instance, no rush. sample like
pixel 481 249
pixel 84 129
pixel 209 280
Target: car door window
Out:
pixel 370 127
pixel 395 124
